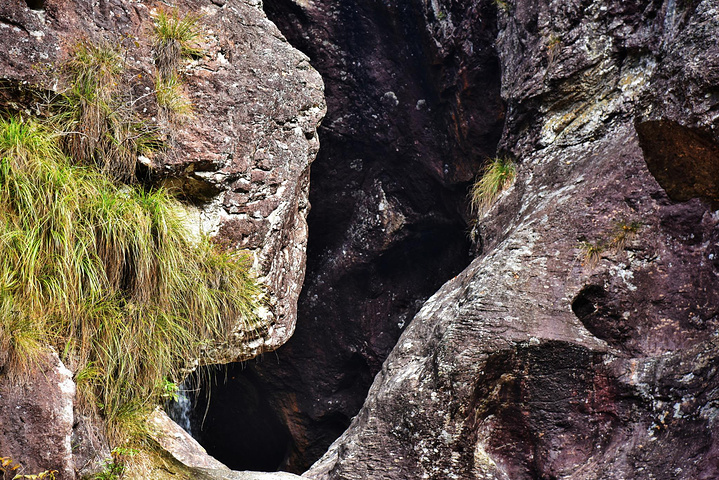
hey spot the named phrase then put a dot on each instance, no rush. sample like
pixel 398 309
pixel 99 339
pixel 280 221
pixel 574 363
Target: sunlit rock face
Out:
pixel 540 360
pixel 243 157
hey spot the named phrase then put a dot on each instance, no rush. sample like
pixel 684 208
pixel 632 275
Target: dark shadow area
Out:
pixel 35 4
pixel 684 161
pixel 235 422
pixel 407 128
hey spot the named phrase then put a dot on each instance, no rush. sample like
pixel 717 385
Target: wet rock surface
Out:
pixel 541 359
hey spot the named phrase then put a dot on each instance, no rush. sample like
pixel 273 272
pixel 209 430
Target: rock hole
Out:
pixel 683 160
pixel 35 4
pixel 594 308
pixel 236 424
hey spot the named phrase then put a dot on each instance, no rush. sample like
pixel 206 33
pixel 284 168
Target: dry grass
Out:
pixel 97 120
pixel 108 274
pixel 497 176
pixel 176 37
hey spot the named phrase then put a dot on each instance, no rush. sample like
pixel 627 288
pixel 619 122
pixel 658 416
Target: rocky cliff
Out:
pixel 241 162
pixel 410 120
pixel 581 342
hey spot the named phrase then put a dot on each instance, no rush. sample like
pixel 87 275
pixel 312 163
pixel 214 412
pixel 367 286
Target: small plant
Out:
pixel 591 253
pixel 554 44
pixel 441 15
pixel 497 176
pixel 176 37
pixel 97 123
pixel 503 5
pixel 622 232
pixel 171 97
pixel 9 466
pixel 115 467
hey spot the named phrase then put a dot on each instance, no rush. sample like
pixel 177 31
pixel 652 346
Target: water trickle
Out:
pixel 179 410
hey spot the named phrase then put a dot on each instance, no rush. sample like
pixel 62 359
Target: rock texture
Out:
pixel 409 122
pixel 540 361
pixel 242 160
pixel 37 420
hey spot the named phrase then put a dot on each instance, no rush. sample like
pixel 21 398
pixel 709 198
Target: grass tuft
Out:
pixel 176 37
pixel 108 274
pixel 98 124
pixel 497 176
pixel 170 96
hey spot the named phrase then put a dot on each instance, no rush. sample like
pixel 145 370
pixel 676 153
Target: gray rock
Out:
pixel 537 362
pixel 244 156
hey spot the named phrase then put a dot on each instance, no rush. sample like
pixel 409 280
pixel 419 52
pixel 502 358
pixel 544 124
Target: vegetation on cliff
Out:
pixel 107 272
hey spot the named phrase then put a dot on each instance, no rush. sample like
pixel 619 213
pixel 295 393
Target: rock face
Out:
pixel 37 420
pixel 581 343
pixel 409 122
pixel 242 160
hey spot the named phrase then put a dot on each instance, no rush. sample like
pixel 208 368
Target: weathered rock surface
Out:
pixel 409 122
pixel 536 362
pixel 244 156
pixel 36 417
pixel 242 160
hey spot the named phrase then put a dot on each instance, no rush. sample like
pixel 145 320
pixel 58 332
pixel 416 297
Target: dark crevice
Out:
pixel 35 4
pixel 406 129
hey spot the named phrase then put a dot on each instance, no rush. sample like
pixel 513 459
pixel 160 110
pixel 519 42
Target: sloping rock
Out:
pixel 542 360
pixel 36 408
pixel 182 448
pixel 244 156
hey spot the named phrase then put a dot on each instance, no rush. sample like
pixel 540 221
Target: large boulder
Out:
pixel 243 158
pixel 241 161
pixel 581 343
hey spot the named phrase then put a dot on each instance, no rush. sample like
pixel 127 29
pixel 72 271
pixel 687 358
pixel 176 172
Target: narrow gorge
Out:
pixel 565 328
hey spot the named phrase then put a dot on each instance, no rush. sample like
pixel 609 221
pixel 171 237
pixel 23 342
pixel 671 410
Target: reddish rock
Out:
pixel 536 362
pixel 36 408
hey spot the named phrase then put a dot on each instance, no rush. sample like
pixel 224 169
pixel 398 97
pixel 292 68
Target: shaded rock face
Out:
pixel 243 159
pixel 409 121
pixel 541 361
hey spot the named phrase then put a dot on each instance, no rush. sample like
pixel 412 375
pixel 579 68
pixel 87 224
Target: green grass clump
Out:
pixel 591 253
pixel 622 232
pixel 176 37
pixel 97 119
pixel 497 176
pixel 108 274
pixel 170 95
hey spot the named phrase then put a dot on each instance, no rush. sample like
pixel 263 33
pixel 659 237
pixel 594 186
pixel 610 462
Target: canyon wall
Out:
pixel 581 342
pixel 241 161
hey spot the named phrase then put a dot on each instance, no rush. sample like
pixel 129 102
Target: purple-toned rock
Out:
pixel 36 408
pixel 581 343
